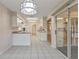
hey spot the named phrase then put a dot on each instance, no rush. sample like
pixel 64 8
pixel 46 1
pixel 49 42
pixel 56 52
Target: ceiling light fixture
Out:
pixel 28 7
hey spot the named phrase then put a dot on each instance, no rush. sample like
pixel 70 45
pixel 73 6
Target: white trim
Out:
pixel 66 8
pixel 74 3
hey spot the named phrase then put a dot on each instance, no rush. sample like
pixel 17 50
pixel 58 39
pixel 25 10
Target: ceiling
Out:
pixel 45 7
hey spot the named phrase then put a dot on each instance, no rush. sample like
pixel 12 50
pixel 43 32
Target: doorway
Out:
pixel 49 31
pixel 33 32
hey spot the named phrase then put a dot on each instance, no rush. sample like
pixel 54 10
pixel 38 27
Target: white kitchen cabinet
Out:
pixel 21 39
pixel 42 36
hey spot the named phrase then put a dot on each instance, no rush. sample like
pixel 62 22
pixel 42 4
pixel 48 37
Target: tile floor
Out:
pixel 37 50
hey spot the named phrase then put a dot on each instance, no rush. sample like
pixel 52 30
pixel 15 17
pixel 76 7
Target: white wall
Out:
pixel 5 33
pixel 14 20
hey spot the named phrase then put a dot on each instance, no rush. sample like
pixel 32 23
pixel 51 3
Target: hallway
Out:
pixel 37 50
pixel 39 29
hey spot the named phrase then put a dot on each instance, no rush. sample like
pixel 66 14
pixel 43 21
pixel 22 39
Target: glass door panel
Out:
pixel 61 32
pixel 74 31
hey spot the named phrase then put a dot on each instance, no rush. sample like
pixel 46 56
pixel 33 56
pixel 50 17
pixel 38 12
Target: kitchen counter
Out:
pixel 21 33
pixel 21 38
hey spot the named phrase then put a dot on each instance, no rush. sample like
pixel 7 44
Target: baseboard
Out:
pixel 4 50
pixel 62 54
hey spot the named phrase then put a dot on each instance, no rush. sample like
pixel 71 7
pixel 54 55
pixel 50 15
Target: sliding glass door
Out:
pixel 67 32
pixel 61 32
pixel 74 31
